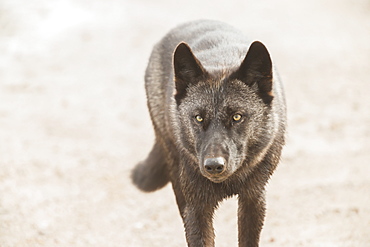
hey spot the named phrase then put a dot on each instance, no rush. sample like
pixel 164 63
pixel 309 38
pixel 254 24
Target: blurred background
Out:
pixel 74 121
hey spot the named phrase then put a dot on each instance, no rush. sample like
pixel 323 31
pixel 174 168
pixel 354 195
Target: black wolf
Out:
pixel 218 112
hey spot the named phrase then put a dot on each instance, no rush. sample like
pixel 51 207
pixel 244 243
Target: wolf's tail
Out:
pixel 151 174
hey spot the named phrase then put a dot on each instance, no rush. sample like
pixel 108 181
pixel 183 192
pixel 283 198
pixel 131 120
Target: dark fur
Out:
pixel 210 70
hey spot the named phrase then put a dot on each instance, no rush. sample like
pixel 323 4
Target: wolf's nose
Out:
pixel 215 165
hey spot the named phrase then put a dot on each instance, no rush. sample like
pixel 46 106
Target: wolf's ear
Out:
pixel 257 68
pixel 187 69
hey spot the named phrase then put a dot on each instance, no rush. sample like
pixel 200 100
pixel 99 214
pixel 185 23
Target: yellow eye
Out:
pixel 199 118
pixel 237 117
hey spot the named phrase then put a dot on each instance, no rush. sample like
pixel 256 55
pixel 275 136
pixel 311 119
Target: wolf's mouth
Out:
pixel 219 178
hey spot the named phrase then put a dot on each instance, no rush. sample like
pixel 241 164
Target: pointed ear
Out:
pixel 187 69
pixel 257 68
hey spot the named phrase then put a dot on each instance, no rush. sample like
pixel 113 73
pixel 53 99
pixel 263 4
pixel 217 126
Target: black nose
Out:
pixel 214 165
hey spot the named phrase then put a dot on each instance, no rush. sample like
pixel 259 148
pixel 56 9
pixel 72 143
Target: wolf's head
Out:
pixel 225 116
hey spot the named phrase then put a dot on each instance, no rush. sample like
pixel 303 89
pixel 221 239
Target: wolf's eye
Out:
pixel 237 117
pixel 199 118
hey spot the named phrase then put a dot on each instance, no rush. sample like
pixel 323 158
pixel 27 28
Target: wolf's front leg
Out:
pixel 198 222
pixel 251 214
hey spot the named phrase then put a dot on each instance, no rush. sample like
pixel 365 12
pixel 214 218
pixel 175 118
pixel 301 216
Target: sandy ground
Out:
pixel 73 121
